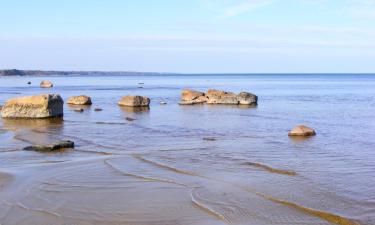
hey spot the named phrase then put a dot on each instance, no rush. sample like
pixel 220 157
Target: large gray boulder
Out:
pixel 134 101
pixel 39 106
pixel 246 98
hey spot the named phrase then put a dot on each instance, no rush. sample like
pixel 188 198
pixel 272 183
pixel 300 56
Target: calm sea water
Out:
pixel 158 169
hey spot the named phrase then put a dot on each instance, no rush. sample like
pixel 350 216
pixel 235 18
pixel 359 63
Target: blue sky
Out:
pixel 189 36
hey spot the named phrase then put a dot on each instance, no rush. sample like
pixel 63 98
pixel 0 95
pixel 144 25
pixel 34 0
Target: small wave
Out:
pixel 271 169
pixel 164 166
pixel 141 176
pixel 336 219
pixel 206 208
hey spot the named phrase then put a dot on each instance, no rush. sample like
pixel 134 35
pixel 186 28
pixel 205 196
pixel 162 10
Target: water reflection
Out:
pixel 128 109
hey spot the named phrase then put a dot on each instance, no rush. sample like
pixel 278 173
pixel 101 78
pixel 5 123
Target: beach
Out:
pixel 198 164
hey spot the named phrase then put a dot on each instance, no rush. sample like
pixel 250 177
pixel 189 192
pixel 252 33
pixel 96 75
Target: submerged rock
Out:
pixel 46 84
pixel 98 109
pixel 79 100
pixel 79 110
pixel 190 97
pixel 129 119
pixel 209 139
pixel 52 147
pixel 134 101
pixel 39 106
pixel 163 103
pixel 302 130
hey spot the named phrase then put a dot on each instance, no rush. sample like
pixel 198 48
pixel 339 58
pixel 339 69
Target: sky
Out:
pixel 189 36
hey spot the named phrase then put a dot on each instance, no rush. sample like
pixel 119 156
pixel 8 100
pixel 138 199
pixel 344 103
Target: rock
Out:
pixel 39 106
pixel 52 147
pixel 79 100
pixel 29 82
pixel 129 119
pixel 209 139
pixel 190 97
pixel 162 103
pixel 245 98
pixel 221 97
pixel 46 84
pixel 79 110
pixel 134 101
pixel 302 130
pixel 98 109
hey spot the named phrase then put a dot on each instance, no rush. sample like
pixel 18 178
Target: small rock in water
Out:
pixel 163 103
pixel 98 109
pixel 134 101
pixel 209 139
pixel 302 130
pixel 29 82
pixel 46 84
pixel 80 100
pixel 52 147
pixel 129 119
pixel 79 110
pixel 141 83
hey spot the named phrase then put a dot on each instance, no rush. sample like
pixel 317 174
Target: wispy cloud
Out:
pixel 244 7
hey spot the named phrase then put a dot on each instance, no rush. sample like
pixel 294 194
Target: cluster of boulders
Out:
pixel 51 105
pixel 190 97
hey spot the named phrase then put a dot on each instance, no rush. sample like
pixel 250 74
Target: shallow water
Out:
pixel 194 164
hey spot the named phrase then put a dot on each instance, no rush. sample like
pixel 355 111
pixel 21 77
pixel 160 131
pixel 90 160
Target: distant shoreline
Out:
pixel 16 72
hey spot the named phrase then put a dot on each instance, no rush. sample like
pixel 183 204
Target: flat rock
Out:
pixel 46 84
pixel 98 109
pixel 302 130
pixel 190 97
pixel 80 100
pixel 134 101
pixel 50 148
pixel 39 106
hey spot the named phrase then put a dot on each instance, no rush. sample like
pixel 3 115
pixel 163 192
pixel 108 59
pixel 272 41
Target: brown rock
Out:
pixel 39 106
pixel 134 101
pixel 302 130
pixel 221 97
pixel 224 97
pixel 79 100
pixel 189 97
pixel 46 84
